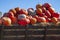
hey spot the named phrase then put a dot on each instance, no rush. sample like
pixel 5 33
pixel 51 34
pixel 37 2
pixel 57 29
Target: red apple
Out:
pixel 48 14
pixel 51 10
pixel 24 21
pixel 23 11
pixel 43 9
pixel 13 19
pixel 10 14
pixel 55 15
pixel 47 5
pixel 48 20
pixel 36 16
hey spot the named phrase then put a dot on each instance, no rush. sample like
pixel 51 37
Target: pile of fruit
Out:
pixel 43 14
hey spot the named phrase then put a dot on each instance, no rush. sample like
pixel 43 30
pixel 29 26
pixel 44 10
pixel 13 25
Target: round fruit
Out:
pixel 24 22
pixel 6 21
pixel 47 5
pixel 39 11
pixel 23 11
pixel 38 6
pixel 41 19
pixel 43 9
pixel 48 20
pixel 36 16
pixel 51 10
pixel 55 15
pixel 10 14
pixel 17 9
pixel 29 16
pixel 13 10
pixel 13 19
pixel 21 16
pixel 33 20
pixel 54 20
pixel 48 14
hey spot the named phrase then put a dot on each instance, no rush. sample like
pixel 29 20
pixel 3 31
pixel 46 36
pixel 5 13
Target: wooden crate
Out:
pixel 30 33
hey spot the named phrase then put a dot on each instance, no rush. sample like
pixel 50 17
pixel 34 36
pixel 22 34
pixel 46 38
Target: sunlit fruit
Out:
pixel 54 20
pixel 39 11
pixel 6 21
pixel 48 14
pixel 38 6
pixel 17 9
pixel 29 16
pixel 33 20
pixel 51 10
pixel 24 22
pixel 23 11
pixel 47 5
pixel 41 19
pixel 13 10
pixel 21 16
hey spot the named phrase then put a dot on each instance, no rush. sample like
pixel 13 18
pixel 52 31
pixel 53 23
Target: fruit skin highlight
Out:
pixel 6 21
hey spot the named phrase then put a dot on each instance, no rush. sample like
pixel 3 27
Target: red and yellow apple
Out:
pixel 33 20
pixel 54 20
pixel 6 21
pixel 13 10
pixel 38 6
pixel 17 9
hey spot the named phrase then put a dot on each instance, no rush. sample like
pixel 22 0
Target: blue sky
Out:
pixel 5 5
